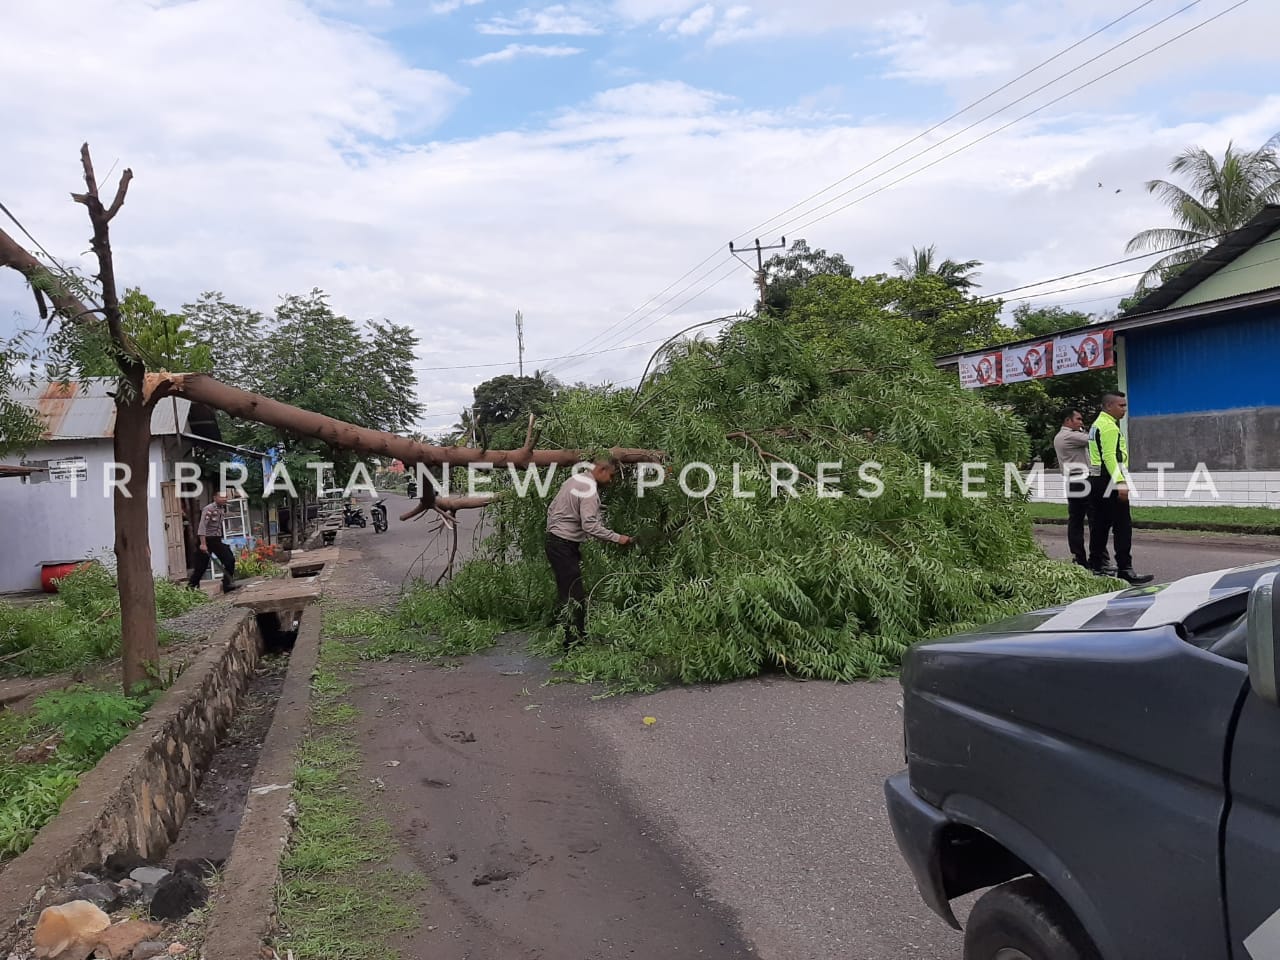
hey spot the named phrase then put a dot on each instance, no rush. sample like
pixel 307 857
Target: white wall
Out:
pixel 1235 488
pixel 43 521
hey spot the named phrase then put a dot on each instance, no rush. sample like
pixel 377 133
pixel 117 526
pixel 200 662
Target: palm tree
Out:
pixel 1223 197
pixel 959 275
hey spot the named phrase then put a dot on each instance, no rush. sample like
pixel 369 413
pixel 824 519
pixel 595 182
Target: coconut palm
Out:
pixel 1223 196
pixel 959 275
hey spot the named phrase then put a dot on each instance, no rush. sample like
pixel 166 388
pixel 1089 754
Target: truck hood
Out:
pixel 1136 608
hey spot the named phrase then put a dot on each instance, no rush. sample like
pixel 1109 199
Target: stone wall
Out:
pixel 137 796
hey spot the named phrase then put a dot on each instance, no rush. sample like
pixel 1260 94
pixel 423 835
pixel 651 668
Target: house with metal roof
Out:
pixel 57 502
pixel 1199 360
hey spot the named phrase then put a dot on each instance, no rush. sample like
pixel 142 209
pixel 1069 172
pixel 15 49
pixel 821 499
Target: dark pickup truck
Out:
pixel 1109 768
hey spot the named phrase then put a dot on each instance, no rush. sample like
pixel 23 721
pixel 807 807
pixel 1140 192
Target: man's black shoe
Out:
pixel 1103 571
pixel 1135 579
pixel 228 587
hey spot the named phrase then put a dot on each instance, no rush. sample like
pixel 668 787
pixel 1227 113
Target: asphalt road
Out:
pixel 1170 555
pixel 768 790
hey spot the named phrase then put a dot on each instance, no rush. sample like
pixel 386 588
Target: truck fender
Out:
pixel 1028 848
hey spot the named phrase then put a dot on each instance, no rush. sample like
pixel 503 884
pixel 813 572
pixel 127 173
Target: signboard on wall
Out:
pixel 1053 357
pixel 71 470
pixel 1028 362
pixel 1084 351
pixel 980 370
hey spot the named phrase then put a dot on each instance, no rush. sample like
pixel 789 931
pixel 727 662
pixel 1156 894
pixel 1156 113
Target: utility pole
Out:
pixel 520 338
pixel 759 271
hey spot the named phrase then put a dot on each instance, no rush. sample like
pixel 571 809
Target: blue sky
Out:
pixel 444 163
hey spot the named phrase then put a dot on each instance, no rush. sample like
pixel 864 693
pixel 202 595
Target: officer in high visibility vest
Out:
pixel 1108 454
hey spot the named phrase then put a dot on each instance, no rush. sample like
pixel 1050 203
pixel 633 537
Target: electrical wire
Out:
pixel 603 334
pixel 1006 126
pixel 1000 129
pixel 970 106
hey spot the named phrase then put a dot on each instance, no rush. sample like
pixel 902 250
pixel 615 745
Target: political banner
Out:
pixel 980 370
pixel 1084 351
pixel 1031 361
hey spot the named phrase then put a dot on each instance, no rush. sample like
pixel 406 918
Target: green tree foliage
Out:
pixel 1040 404
pixel 164 341
pixel 1220 196
pixel 507 401
pixel 789 272
pixel 924 262
pixel 308 355
pixel 20 428
pixel 722 587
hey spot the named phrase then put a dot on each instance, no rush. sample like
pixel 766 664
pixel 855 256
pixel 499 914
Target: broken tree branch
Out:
pixel 450 505
pixel 42 280
pixel 765 454
pixel 251 406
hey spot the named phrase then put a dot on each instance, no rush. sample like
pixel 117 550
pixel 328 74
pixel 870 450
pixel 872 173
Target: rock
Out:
pixel 149 949
pixel 177 895
pixel 118 942
pixel 201 869
pixel 104 895
pixel 130 890
pixel 120 865
pixel 68 931
pixel 149 876
pixel 176 949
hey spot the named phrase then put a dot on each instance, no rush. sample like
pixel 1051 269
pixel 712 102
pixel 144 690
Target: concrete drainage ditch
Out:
pixel 164 816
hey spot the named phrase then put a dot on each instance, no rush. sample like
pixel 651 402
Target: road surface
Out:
pixel 748 817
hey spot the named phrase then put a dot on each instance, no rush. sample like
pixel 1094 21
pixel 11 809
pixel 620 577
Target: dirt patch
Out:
pixel 210 828
pixel 497 792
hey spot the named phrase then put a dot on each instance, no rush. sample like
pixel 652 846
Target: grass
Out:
pixel 1259 519
pixel 70 730
pixel 338 899
pixel 78 626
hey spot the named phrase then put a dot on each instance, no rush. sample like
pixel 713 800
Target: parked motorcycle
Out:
pixel 353 517
pixel 379 513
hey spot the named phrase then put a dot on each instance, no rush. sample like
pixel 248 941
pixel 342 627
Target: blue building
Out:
pixel 1199 358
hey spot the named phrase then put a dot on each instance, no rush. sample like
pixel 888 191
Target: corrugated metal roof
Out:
pixel 1234 244
pixel 85 410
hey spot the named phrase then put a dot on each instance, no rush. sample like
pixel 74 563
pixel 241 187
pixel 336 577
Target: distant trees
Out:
pixel 1220 196
pixel 923 262
pixel 786 273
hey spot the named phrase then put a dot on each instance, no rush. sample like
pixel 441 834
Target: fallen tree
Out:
pixel 836 395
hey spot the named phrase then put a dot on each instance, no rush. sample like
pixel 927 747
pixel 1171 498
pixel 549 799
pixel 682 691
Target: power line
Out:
pixel 1113 263
pixel 564 356
pixel 715 283
pixel 965 109
pixel 986 136
pixel 936 126
pixel 1026 96
pixel 633 330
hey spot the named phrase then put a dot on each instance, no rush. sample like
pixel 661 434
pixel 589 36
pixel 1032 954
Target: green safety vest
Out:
pixel 1107 448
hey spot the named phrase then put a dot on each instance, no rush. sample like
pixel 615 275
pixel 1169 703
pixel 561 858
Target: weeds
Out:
pixel 66 733
pixel 79 626
pixel 337 899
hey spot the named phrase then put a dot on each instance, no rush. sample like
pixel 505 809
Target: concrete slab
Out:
pixel 278 596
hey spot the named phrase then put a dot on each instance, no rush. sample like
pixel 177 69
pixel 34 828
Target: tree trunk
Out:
pixel 201 388
pixel 139 636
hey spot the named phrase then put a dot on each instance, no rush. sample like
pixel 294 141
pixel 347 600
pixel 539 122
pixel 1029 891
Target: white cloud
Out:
pixel 697 22
pixel 450 6
pixel 514 50
pixel 557 19
pixel 312 164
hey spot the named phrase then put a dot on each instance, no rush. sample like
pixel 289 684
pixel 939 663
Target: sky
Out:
pixel 445 163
